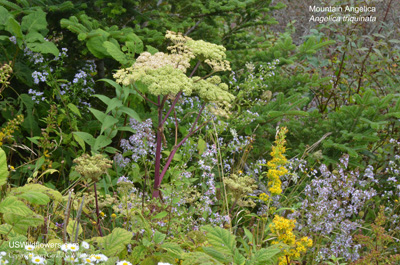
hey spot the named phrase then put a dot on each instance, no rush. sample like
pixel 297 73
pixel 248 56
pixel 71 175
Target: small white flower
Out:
pixel 64 247
pixel 3 261
pixel 70 259
pixel 85 245
pixel 3 253
pixel 88 260
pixel 38 260
pixel 124 262
pixel 98 257
pixel 30 247
pixel 73 247
pixel 29 256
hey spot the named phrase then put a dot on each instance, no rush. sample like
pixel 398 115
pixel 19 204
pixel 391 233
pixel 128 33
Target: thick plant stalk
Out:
pixel 158 176
pixel 66 217
pixel 97 211
pixel 78 219
pixel 158 145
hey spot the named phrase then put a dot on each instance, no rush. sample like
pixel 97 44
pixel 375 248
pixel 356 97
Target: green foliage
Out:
pixel 105 41
pixel 17 216
pixel 3 168
pixel 111 120
pixel 114 243
pixel 30 31
pixel 376 244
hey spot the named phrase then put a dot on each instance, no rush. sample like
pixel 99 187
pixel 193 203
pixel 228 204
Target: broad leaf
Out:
pixel 34 197
pixel 216 254
pixel 113 104
pixel 45 47
pixel 100 116
pixel 74 109
pixel 115 52
pixel 158 237
pixel 88 138
pixel 35 21
pixel 3 168
pixel 115 242
pixel 130 112
pixel 21 223
pixel 53 194
pixel 265 256
pixel 221 239
pixel 11 204
pixel 108 122
pixel 101 141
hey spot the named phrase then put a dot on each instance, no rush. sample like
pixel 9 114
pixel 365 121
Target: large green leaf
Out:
pixel 88 138
pixel 95 43
pixel 74 109
pixel 7 229
pixel 100 116
pixel 34 37
pixel 11 204
pixel 21 223
pixel 265 256
pixel 35 21
pixel 173 248
pixel 216 254
pixel 3 168
pixel 45 47
pixel 103 98
pixel 195 258
pixel 238 258
pixel 221 239
pixel 34 197
pixel 115 52
pixel 130 112
pixel 113 104
pixel 4 15
pixel 15 243
pixel 158 237
pixel 100 142
pixel 14 28
pixel 45 191
pixel 108 122
pixel 115 242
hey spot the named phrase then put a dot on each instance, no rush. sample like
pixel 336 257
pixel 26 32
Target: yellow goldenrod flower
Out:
pixel 276 169
pixel 264 197
pixel 283 228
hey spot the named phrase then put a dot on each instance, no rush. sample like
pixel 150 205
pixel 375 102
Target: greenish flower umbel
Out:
pixel 92 167
pixel 165 74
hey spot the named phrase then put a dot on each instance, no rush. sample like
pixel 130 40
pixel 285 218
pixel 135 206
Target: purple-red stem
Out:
pixel 172 107
pixel 158 178
pixel 97 211
pixel 159 142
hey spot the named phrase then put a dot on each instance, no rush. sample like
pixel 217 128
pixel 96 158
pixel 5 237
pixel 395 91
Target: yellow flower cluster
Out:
pixel 9 129
pixel 275 165
pixel 264 197
pixel 283 228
